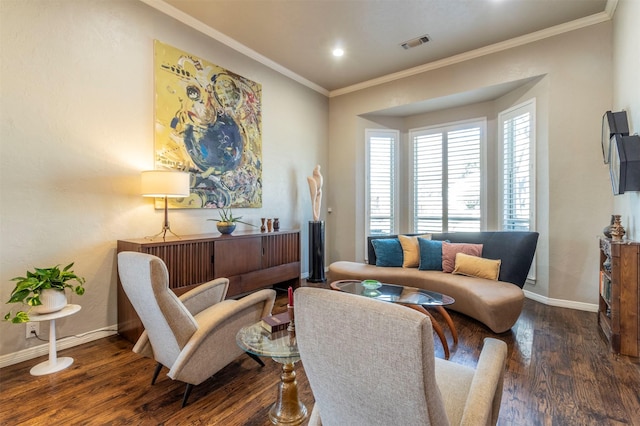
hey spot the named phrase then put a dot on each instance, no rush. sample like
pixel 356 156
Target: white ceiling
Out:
pixel 296 36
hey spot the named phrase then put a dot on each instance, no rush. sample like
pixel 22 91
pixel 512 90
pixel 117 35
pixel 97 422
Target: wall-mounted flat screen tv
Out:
pixel 612 123
pixel 624 163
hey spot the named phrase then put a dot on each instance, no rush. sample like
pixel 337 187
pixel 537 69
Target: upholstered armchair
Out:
pixel 371 362
pixel 194 336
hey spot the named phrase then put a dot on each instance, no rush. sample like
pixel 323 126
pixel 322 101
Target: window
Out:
pixel 444 177
pixel 447 177
pixel 382 149
pixel 517 167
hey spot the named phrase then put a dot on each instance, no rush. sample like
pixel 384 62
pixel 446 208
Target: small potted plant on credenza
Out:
pixel 227 222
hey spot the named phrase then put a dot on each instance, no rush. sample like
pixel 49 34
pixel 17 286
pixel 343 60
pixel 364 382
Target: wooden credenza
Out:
pixel 250 260
pixel 619 301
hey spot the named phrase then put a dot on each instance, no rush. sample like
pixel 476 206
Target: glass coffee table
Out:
pixel 412 297
pixel 282 347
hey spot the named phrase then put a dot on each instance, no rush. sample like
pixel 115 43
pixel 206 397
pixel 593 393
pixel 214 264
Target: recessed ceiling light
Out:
pixel 338 52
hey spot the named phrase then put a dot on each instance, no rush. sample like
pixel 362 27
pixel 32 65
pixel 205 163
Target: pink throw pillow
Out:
pixel 449 251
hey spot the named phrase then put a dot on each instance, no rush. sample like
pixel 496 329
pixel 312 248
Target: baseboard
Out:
pixel 64 343
pixel 580 306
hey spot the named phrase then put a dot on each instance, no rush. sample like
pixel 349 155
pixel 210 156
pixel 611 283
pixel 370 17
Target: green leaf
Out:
pixel 20 317
pixel 29 283
pixel 34 301
pixel 246 223
pixel 19 296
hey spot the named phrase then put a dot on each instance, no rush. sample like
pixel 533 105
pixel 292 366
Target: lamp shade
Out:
pixel 165 183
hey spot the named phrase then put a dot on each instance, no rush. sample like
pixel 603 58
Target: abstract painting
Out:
pixel 208 122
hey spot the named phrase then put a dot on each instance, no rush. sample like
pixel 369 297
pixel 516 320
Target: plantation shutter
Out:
pixel 518 171
pixel 517 193
pixel 381 182
pixel 428 183
pixel 464 179
pixel 447 178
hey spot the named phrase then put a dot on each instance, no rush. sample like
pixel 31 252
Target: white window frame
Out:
pixel 481 122
pixel 510 113
pixel 395 135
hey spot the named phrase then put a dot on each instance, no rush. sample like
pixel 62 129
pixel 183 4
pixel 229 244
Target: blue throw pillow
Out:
pixel 388 251
pixel 430 255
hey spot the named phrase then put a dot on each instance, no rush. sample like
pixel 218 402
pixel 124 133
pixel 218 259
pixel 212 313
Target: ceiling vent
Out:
pixel 415 42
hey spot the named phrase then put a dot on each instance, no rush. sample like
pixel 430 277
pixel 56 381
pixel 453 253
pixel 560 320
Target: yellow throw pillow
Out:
pixel 474 266
pixel 411 249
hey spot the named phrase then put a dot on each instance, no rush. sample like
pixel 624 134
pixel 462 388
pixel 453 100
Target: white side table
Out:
pixel 54 363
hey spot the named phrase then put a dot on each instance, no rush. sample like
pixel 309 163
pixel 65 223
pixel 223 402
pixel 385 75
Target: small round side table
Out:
pixel 53 364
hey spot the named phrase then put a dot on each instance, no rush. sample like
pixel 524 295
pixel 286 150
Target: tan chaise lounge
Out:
pixel 497 304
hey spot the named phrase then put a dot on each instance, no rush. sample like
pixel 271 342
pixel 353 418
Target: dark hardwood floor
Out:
pixel 559 372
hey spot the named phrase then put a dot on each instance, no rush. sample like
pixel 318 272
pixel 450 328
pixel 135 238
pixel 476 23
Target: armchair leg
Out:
pixel 187 392
pixel 155 373
pixel 256 358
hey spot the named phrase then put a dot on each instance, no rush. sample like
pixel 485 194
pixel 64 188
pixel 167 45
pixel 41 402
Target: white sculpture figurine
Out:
pixel 315 189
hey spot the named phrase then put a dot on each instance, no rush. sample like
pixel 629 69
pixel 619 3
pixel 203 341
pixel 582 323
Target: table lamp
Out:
pixel 165 183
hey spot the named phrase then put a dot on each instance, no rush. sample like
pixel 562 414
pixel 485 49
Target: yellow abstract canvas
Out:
pixel 208 122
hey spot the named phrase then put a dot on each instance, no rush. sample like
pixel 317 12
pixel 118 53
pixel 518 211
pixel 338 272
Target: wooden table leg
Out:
pixel 436 327
pixel 449 321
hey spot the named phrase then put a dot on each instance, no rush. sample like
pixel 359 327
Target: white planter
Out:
pixel 52 301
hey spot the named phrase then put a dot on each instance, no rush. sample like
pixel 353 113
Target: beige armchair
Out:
pixel 194 335
pixel 372 363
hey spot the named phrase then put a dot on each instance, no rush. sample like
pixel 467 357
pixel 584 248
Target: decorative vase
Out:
pixel 276 224
pixel 264 228
pixel 269 225
pixel 368 292
pixel 371 288
pixel 52 301
pixel 226 227
pixel 607 229
pixel 617 231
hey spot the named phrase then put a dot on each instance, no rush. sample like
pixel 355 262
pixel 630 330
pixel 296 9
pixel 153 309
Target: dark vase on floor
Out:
pixel 316 252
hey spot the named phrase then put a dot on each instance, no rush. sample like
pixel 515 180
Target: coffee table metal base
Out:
pixel 282 348
pixel 288 410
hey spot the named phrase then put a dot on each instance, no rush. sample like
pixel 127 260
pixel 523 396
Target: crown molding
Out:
pixel 610 8
pixel 483 51
pixel 190 21
pixel 233 44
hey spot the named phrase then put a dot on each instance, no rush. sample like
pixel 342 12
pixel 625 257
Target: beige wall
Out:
pixel 77 113
pixel 626 96
pixel 77 129
pixel 573 199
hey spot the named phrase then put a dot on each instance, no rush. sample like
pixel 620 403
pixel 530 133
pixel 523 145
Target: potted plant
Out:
pixel 227 223
pixel 41 285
